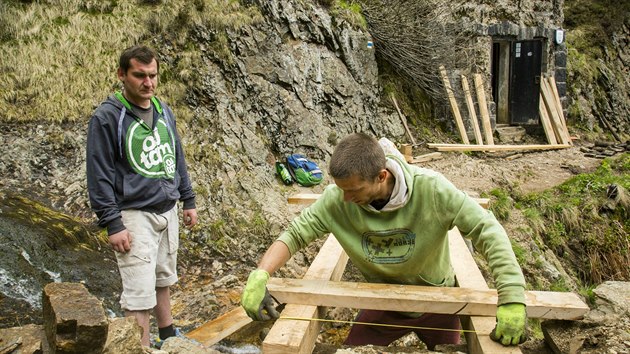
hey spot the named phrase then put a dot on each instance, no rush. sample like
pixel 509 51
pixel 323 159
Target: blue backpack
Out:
pixel 304 171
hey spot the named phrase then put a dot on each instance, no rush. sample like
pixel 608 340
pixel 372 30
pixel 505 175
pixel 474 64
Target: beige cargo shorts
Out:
pixel 152 260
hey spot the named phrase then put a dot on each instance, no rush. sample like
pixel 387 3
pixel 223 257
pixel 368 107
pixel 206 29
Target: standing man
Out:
pixel 392 220
pixel 136 173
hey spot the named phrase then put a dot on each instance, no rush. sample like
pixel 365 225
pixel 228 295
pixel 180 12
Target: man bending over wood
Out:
pixel 392 220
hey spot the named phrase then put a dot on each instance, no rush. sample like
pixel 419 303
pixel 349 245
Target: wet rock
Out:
pixel 74 320
pixel 177 345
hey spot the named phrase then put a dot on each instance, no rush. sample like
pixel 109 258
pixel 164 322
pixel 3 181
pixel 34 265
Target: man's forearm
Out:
pixel 275 257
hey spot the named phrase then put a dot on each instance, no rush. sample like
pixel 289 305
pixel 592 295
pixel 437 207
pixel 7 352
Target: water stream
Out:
pixel 38 246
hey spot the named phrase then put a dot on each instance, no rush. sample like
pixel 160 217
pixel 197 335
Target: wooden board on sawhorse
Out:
pixel 462 260
pixel 285 336
pixel 310 198
pixel 468 275
pixel 295 336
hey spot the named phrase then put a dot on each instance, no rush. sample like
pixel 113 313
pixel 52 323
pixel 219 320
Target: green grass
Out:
pixel 349 11
pixel 580 224
pixel 502 203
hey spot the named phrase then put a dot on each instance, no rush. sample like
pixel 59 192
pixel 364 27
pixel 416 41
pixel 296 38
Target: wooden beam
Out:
pixel 213 331
pixel 403 119
pixel 303 198
pixel 293 336
pixel 550 103
pixel 309 198
pixel 471 110
pixel 462 147
pixel 426 157
pixel 546 122
pixel 451 99
pixel 390 297
pixel 469 276
pixel 483 109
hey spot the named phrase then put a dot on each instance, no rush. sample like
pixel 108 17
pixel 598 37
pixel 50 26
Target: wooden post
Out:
pixel 546 123
pixel 403 119
pixel 555 120
pixel 471 110
pixel 453 102
pixel 407 152
pixel 483 109
pixel 554 90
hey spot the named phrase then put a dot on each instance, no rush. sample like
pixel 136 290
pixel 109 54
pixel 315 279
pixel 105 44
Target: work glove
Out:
pixel 510 328
pixel 256 301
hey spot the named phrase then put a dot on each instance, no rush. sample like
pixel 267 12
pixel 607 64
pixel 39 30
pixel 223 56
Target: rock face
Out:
pixel 74 320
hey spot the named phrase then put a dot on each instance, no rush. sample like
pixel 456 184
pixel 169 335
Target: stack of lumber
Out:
pixel 551 115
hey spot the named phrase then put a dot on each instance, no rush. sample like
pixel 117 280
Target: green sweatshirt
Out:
pixel 409 244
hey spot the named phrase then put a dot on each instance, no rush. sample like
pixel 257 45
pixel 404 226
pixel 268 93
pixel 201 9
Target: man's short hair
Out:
pixel 357 154
pixel 141 53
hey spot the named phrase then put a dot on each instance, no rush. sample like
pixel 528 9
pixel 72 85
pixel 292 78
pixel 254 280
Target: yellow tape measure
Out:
pixel 373 324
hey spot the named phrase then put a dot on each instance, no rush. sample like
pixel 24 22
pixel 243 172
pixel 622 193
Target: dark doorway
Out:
pixel 525 75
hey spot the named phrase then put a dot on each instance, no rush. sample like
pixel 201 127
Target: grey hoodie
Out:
pixel 134 166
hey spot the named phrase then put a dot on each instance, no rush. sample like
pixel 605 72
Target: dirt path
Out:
pixel 529 171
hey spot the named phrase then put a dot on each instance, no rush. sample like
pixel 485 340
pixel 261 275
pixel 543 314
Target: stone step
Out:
pixel 510 133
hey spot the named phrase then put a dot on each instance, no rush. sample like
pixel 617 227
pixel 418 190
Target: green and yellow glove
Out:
pixel 510 328
pixel 256 300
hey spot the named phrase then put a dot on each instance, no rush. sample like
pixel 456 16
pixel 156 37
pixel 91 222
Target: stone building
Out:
pixel 518 44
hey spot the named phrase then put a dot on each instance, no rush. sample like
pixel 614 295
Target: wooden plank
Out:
pixel 303 198
pixel 553 113
pixel 471 110
pixel 406 150
pixel 483 109
pixel 213 331
pixel 403 119
pixel 293 336
pixel 427 157
pixel 545 122
pixel 554 90
pixel 462 147
pixel 329 264
pixel 451 98
pixel 469 276
pixel 391 297
pixel 309 198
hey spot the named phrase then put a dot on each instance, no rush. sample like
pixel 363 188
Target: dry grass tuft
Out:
pixel 60 57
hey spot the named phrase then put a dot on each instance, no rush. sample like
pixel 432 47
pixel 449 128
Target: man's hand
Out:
pixel 190 217
pixel 256 300
pixel 510 328
pixel 121 241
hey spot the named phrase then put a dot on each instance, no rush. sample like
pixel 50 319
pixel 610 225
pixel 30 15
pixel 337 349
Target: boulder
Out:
pixel 74 319
pixel 124 336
